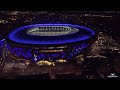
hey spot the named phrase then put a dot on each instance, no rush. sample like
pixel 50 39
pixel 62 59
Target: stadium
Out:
pixel 49 43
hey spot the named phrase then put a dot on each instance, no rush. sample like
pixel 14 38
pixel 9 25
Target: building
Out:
pixel 49 43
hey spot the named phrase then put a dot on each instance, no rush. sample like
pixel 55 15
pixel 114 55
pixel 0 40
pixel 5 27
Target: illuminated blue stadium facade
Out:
pixel 49 41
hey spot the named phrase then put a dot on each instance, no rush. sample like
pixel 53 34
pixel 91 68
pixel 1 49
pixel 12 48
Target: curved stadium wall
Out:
pixel 50 42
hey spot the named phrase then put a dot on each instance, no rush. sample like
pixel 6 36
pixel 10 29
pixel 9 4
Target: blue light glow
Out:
pixel 19 35
pixel 27 53
pixel 2 43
